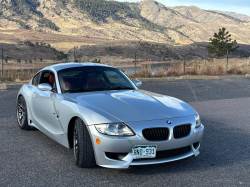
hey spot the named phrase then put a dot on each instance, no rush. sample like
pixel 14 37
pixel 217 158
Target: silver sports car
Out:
pixel 100 113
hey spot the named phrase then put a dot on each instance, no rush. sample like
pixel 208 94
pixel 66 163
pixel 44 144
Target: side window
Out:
pixel 45 77
pixel 35 80
pixel 49 78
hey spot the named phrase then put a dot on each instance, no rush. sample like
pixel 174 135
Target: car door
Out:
pixel 43 107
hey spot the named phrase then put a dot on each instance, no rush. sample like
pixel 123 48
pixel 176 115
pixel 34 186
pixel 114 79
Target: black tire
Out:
pixel 83 148
pixel 22 117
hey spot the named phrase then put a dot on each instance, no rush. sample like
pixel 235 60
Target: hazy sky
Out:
pixel 238 6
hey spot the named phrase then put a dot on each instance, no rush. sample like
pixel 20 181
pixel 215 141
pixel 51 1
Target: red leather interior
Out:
pixel 67 85
pixel 93 82
pixel 51 79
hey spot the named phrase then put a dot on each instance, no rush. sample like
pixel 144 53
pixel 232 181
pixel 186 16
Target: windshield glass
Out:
pixel 93 78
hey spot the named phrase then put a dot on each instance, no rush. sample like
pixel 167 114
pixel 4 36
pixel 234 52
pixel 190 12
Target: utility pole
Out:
pixel 135 59
pixel 74 54
pixel 2 60
pixel 227 60
pixel 184 63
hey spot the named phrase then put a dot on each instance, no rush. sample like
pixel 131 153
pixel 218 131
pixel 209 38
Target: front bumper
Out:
pixel 124 145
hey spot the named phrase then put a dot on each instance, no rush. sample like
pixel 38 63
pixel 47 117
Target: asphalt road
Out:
pixel 30 158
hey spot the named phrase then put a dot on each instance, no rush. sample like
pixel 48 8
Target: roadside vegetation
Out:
pixel 18 76
pixel 217 67
pixel 175 63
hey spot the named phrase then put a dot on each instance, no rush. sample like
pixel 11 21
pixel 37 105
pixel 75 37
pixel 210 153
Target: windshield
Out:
pixel 93 78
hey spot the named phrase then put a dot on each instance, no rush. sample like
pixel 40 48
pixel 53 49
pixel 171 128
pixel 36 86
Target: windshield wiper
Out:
pixel 100 89
pixel 120 88
pixel 83 90
pixel 75 90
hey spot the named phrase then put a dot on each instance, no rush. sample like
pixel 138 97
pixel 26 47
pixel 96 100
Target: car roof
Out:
pixel 61 66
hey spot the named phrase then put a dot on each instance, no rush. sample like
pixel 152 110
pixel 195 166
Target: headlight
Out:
pixel 115 129
pixel 198 120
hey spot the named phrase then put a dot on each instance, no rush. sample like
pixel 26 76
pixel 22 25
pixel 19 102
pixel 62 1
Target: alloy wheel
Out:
pixel 75 143
pixel 20 112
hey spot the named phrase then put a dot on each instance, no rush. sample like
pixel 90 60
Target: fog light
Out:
pixel 98 141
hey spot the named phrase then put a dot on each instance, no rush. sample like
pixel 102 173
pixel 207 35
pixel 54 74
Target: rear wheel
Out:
pixel 22 118
pixel 83 148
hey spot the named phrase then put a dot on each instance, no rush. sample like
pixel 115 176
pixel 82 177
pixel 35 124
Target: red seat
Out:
pixel 51 79
pixel 67 86
pixel 93 83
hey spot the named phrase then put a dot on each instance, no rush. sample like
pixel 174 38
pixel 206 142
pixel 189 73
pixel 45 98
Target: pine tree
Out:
pixel 221 44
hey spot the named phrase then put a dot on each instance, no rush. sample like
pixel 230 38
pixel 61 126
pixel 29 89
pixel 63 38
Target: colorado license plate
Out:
pixel 144 151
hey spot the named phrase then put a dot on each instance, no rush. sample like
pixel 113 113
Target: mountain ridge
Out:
pixel 146 20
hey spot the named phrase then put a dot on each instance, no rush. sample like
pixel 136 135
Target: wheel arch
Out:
pixel 71 131
pixel 19 95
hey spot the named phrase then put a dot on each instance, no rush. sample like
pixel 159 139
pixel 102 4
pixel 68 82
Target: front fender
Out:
pixel 68 109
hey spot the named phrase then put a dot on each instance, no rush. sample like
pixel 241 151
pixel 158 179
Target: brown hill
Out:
pixel 178 24
pixel 241 17
pixel 197 24
pixel 99 25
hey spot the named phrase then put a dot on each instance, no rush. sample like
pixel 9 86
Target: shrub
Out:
pixel 220 70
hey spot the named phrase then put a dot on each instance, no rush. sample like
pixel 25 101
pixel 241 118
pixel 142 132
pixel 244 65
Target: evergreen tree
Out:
pixel 221 44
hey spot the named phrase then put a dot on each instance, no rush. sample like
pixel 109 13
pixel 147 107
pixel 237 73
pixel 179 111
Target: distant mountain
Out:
pixel 146 20
pixel 241 17
pixel 194 24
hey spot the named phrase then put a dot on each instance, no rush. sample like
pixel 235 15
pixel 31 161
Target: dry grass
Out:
pixel 17 75
pixel 66 46
pixel 22 72
pixel 198 67
pixel 210 68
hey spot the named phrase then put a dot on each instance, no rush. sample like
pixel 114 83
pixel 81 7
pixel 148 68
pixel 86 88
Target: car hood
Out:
pixel 132 105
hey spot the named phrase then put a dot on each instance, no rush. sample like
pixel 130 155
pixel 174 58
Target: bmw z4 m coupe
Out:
pixel 97 111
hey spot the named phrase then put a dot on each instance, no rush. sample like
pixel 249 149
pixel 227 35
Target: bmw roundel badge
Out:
pixel 169 122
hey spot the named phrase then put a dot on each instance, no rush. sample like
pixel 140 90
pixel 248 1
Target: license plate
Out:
pixel 144 151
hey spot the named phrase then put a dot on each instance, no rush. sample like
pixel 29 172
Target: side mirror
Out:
pixel 137 83
pixel 44 87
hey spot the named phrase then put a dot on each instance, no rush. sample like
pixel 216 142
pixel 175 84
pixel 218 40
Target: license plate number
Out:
pixel 144 151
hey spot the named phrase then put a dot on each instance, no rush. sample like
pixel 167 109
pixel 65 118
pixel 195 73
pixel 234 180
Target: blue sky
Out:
pixel 238 6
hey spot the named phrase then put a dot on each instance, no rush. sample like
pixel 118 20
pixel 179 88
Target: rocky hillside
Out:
pixel 195 24
pixel 97 25
pixel 241 17
pixel 146 20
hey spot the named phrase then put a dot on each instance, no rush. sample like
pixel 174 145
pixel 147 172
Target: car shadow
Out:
pixel 221 146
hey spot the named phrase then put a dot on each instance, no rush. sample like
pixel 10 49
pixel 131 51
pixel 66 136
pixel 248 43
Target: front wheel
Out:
pixel 83 148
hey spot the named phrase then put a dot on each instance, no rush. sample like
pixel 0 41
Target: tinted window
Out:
pixel 35 80
pixel 45 77
pixel 115 77
pixel 49 78
pixel 93 78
